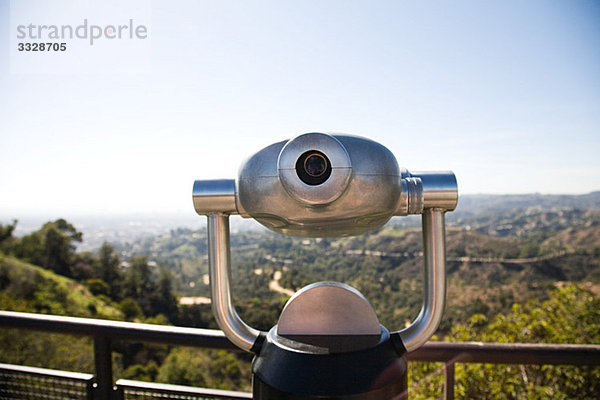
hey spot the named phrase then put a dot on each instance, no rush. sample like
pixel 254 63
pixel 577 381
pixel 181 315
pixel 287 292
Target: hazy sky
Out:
pixel 506 94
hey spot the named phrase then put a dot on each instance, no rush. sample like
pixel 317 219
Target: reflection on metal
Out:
pixel 214 196
pixel 224 312
pixel 439 189
pixel 146 390
pixel 434 257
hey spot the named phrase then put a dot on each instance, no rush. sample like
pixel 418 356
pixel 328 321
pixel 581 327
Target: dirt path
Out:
pixel 276 287
pixel 190 301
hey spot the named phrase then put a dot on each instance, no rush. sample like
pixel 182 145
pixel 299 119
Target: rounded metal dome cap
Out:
pixel 332 315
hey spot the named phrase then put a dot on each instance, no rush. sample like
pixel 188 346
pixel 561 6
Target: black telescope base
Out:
pixel 285 371
pixel 262 391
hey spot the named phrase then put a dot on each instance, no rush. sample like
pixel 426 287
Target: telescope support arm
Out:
pixel 434 281
pixel 219 266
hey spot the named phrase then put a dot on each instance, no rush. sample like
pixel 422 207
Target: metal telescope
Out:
pixel 328 342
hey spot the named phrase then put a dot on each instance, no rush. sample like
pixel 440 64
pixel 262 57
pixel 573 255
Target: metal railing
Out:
pixel 105 332
pixel 451 353
pixel 20 382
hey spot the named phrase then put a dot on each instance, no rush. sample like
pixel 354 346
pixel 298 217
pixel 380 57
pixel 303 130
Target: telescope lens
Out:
pixel 313 167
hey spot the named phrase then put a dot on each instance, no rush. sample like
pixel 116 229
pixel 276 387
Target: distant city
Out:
pixel 129 228
pixel 122 228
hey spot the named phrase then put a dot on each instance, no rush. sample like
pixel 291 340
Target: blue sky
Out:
pixel 506 94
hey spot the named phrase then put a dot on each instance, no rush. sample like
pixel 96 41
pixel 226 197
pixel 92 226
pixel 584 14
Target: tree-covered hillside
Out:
pixel 100 286
pixel 490 272
pixel 28 288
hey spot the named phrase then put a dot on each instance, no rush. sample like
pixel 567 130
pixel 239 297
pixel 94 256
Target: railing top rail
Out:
pixel 197 337
pixel 52 373
pixel 464 352
pixel 508 353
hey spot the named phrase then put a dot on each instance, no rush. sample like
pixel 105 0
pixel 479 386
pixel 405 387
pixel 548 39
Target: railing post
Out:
pixel 89 390
pixel 449 381
pixel 103 363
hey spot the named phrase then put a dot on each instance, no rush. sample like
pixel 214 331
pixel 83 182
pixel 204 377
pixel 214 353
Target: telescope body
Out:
pixel 328 343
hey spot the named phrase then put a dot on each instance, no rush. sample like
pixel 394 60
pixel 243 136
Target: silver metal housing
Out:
pixel 361 194
pixel 365 189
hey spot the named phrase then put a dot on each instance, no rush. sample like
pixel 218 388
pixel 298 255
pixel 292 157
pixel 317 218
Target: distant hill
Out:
pixel 482 203
pixel 29 288
pixel 534 223
pixel 524 215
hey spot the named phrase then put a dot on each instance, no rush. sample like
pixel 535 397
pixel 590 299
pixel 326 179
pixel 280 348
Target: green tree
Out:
pixel 6 237
pixel 570 316
pixel 98 286
pixel 138 284
pixel 30 248
pixel 163 300
pixel 52 247
pixel 130 309
pixel 208 368
pixel 83 265
pixel 56 252
pixel 107 269
pixel 59 246
pixel 139 372
pixel 184 367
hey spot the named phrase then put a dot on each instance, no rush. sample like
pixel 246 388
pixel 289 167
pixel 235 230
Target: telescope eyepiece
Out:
pixel 313 167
